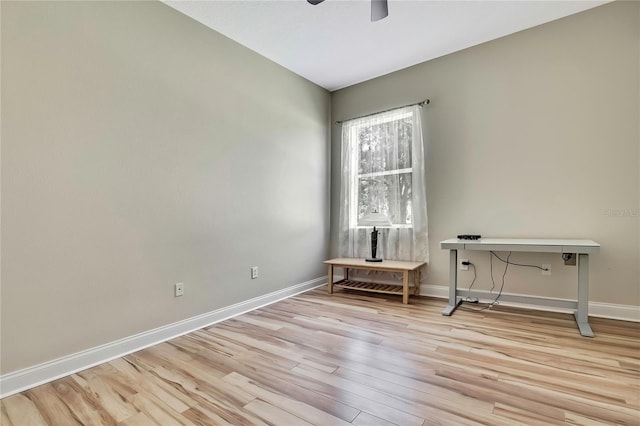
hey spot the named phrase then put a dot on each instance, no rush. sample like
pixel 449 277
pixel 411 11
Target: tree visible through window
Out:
pixel 383 172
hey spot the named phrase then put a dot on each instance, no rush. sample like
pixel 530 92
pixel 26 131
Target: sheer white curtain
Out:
pixel 383 171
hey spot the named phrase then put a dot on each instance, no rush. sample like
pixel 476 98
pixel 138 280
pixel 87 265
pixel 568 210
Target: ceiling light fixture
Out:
pixel 379 8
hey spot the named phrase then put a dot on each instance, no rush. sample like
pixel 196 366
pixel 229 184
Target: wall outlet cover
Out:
pixel 179 289
pixel 463 267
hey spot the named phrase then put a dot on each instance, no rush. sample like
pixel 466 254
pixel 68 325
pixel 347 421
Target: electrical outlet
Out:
pixel 254 272
pixel 464 267
pixel 546 269
pixel 179 289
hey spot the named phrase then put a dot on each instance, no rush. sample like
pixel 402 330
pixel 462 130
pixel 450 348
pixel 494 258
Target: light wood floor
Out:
pixel 362 359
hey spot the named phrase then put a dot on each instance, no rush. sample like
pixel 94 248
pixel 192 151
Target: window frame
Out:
pixel 355 176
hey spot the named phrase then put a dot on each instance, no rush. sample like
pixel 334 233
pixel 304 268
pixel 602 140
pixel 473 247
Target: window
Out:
pixel 383 172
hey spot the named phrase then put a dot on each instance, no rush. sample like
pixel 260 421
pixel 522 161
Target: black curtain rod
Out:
pixel 421 103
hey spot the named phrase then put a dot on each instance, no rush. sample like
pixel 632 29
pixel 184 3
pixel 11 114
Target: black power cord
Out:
pixel 475 275
pixel 493 283
pixel 493 286
pixel 495 301
pixel 516 264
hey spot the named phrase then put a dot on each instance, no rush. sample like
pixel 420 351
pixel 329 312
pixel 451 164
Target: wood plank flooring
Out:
pixel 361 359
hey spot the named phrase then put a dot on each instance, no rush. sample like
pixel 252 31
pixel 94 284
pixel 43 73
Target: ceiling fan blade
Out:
pixel 379 9
pixel 314 2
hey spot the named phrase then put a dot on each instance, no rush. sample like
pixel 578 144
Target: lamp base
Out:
pixel 373 259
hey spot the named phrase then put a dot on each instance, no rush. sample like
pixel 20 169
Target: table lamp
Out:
pixel 374 219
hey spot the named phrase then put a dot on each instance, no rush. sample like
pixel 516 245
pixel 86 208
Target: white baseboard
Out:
pixel 439 291
pixel 619 312
pixel 27 378
pixel 596 309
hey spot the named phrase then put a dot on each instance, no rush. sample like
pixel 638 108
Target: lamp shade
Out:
pixel 375 219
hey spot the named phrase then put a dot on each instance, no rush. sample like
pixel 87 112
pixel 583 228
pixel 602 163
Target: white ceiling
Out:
pixel 335 45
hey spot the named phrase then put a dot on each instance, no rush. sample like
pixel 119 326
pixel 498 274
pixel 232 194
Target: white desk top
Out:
pixel 523 244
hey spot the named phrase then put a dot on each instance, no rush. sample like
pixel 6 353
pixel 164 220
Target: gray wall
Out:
pixel 532 135
pixel 141 149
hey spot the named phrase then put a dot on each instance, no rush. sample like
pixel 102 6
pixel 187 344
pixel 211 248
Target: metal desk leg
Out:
pixel 454 301
pixel 582 314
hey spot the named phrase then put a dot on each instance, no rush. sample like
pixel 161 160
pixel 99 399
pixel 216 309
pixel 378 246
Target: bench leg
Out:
pixel 330 280
pixel 405 287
